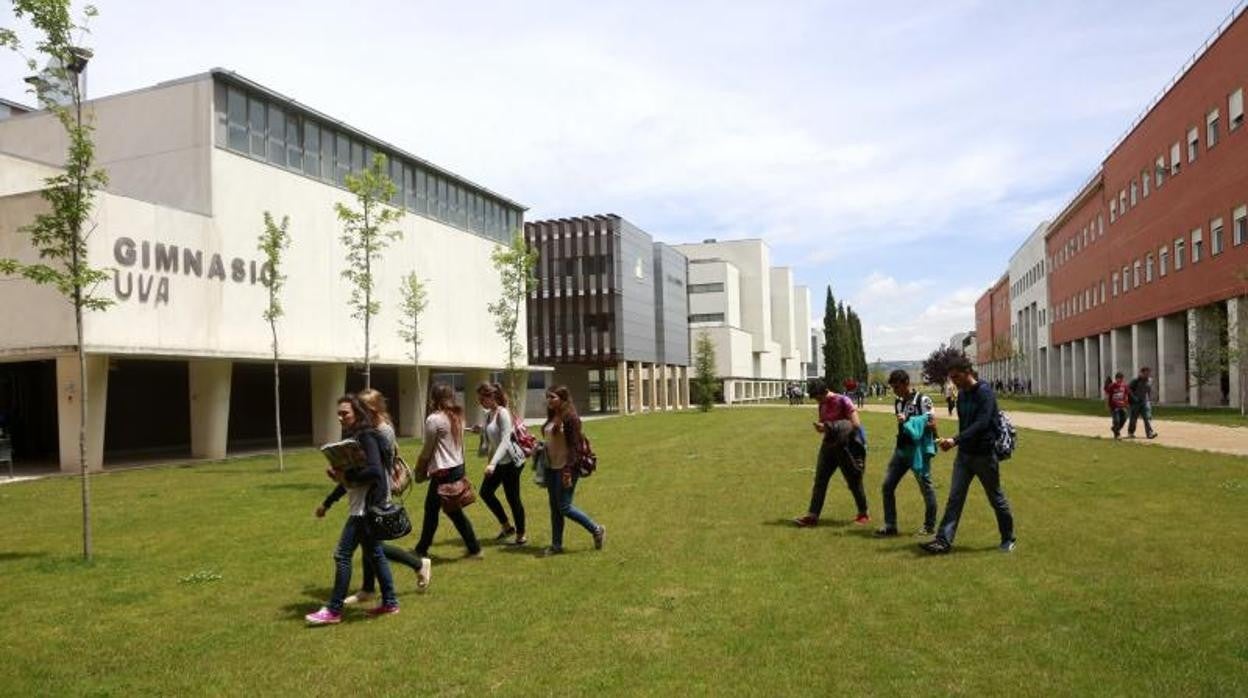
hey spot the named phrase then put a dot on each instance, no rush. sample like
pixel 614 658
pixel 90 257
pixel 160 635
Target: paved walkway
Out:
pixel 1201 437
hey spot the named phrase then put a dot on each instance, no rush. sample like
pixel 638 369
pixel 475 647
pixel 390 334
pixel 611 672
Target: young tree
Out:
pixel 60 235
pixel 364 234
pixel 936 365
pixel 704 371
pixel 832 340
pixel 1210 359
pixel 273 242
pixel 515 264
pixel 414 300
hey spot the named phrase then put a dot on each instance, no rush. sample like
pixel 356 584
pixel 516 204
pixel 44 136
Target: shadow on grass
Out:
pixel 297 486
pixel 13 556
pixel 788 523
pixel 956 551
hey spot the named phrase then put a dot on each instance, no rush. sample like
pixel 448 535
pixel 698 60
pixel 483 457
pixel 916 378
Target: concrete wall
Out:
pixel 635 312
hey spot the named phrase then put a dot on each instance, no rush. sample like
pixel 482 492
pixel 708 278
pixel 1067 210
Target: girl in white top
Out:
pixel 443 459
pixel 505 464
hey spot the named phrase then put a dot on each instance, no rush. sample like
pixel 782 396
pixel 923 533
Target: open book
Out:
pixel 345 455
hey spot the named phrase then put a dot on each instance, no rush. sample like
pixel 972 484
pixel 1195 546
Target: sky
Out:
pixel 897 152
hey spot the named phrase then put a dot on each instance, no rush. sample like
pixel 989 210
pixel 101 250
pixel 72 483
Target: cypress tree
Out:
pixel 831 341
pixel 859 353
pixel 845 364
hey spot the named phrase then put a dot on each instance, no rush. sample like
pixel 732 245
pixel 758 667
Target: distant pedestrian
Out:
pixel 1141 403
pixel 977 458
pixel 951 395
pixel 562 439
pixel 916 444
pixel 1117 397
pixel 843 447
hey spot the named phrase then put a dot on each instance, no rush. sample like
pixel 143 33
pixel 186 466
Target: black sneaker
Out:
pixel 935 546
pixel 1152 435
pixel 885 532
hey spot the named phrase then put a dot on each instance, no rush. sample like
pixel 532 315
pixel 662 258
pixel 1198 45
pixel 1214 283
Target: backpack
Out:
pixel 585 460
pixel 1006 439
pixel 525 441
pixel 401 476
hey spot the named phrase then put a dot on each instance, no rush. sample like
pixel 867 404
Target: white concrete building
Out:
pixel 178 365
pixel 753 313
pixel 1029 309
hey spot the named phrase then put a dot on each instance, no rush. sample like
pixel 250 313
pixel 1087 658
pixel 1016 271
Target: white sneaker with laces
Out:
pixel 360 597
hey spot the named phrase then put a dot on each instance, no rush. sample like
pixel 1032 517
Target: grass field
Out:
pixel 1129 579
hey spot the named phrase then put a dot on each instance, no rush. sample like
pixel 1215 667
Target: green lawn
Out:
pixel 1129 579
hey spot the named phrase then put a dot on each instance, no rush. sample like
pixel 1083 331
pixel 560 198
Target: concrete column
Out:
pixel 730 387
pixel 1120 344
pixel 210 406
pixel 621 387
pixel 68 416
pixel 1171 369
pixel 1092 351
pixel 1103 351
pixel 654 387
pixel 1079 365
pixel 686 400
pixel 329 381
pixel 1237 342
pixel 1143 346
pixel 637 388
pixel 664 394
pixel 412 401
pixel 1202 332
pixel 1067 375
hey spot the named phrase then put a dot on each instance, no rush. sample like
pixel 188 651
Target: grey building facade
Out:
pixel 609 312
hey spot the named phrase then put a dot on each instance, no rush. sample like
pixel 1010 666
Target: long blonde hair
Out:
pixel 375 402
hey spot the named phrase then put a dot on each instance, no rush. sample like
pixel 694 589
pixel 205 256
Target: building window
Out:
pixel 1178 254
pixel 1144 179
pixel 1216 243
pixel 1135 276
pixel 1235 109
pixel 1122 201
pixel 1163 257
pixel 1148 268
pixel 1175 160
pixel 1193 143
pixel 1102 290
pixel 255 125
pixel 1100 222
pixel 716 287
pixel 706 317
pixel 311 149
pixel 1113 210
pixel 277 136
pixel 1134 193
pixel 236 119
pixel 1211 137
pixel 1240 225
pixel 1115 284
pixel 1159 171
pixel 1198 245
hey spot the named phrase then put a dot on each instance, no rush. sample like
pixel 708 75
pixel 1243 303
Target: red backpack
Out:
pixel 586 461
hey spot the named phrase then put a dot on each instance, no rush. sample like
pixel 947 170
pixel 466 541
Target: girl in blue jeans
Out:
pixel 561 435
pixel 363 487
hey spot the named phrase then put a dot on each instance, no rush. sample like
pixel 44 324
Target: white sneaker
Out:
pixel 424 574
pixel 360 597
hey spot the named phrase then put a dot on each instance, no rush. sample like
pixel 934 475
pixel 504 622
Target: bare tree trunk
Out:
pixel 368 303
pixel 277 400
pixel 87 547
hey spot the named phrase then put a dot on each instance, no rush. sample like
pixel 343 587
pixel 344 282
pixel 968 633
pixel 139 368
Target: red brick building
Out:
pixel 1148 264
pixel 992 331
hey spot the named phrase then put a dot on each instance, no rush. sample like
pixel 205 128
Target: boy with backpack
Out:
pixel 979 428
pixel 1117 395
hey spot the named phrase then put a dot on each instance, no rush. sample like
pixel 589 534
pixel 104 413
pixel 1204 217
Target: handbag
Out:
pixel 401 476
pixel 539 468
pixel 456 495
pixel 387 521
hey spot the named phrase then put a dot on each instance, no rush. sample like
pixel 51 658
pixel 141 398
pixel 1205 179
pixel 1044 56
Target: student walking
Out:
pixel 562 436
pixel 977 458
pixel 843 447
pixel 1141 398
pixel 363 487
pixel 506 462
pixel 374 403
pixel 916 444
pixel 951 395
pixel 442 458
pixel 1117 397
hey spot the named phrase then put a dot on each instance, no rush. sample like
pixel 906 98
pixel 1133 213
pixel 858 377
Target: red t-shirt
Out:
pixel 1117 392
pixel 835 407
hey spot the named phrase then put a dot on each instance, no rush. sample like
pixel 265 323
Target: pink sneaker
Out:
pixel 382 610
pixel 862 519
pixel 323 617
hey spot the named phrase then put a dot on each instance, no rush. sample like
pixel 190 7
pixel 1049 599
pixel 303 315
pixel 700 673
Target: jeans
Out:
pixel 897 469
pixel 561 506
pixel 831 457
pixel 1119 417
pixel 1141 409
pixel 507 475
pixel 433 505
pixel 355 534
pixel 967 467
pixel 393 553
